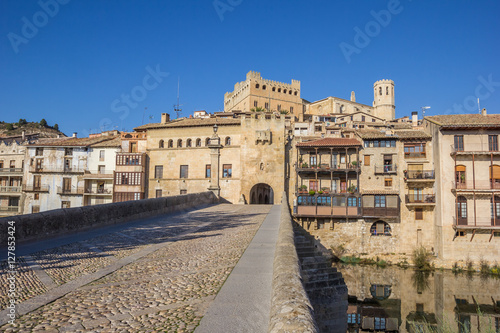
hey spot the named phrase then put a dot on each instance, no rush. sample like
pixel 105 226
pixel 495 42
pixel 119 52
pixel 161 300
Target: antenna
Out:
pixel 478 106
pixel 151 117
pixel 423 110
pixel 177 107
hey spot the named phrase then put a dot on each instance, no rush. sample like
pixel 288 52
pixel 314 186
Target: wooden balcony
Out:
pixel 474 149
pixel 380 212
pixel 343 167
pixel 328 211
pixel 476 186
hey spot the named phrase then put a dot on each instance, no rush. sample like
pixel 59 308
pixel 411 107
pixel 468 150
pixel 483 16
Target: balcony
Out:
pixel 55 169
pixel 477 186
pixel 485 223
pixel 70 191
pixel 11 171
pixel 380 212
pixel 9 209
pixel 325 167
pixel 98 191
pixel 474 149
pixel 386 169
pixel 328 211
pixel 420 200
pixel 420 176
pixel 410 155
pixel 97 175
pixel 10 189
pixel 35 188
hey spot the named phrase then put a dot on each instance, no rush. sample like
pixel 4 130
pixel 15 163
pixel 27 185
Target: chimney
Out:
pixel 353 97
pixel 414 118
pixel 23 135
pixel 483 112
pixel 74 135
pixel 165 118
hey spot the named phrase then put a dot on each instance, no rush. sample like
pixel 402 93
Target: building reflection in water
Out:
pixel 397 300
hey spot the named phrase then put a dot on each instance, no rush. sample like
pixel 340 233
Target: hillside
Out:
pixel 29 128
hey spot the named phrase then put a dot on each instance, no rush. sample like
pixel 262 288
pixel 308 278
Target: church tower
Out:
pixel 383 99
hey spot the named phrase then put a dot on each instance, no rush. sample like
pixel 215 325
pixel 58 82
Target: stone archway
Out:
pixel 261 194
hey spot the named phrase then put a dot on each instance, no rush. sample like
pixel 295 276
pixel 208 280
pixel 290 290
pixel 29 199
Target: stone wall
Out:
pixel 62 221
pixel 291 310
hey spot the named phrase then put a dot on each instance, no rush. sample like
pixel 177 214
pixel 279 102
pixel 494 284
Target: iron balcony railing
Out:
pixel 56 169
pixel 11 170
pixel 422 198
pixel 387 168
pixel 70 191
pixel 421 174
pixel 98 191
pixel 35 188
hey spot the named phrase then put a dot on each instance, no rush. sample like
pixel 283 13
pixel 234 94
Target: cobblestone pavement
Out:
pixel 166 290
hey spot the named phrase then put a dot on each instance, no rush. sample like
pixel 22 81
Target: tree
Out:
pixel 56 127
pixel 43 123
pixel 9 127
pixel 22 122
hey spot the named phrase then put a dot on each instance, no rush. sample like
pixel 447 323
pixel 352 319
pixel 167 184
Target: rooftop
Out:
pixel 330 142
pixel 466 120
pixel 191 122
pixel 73 142
pixel 396 134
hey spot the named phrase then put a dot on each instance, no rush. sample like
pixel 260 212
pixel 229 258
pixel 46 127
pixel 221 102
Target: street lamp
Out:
pixel 215 128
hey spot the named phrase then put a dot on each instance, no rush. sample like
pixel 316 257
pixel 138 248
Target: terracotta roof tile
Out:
pixel 72 142
pixel 466 120
pixel 191 122
pixel 330 142
pixel 397 134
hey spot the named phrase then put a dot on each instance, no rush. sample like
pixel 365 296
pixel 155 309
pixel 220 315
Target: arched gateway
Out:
pixel 261 194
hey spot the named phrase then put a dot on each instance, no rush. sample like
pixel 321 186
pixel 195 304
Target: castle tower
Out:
pixel 383 99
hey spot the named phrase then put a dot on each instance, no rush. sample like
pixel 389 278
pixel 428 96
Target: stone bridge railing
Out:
pixel 291 310
pixel 63 221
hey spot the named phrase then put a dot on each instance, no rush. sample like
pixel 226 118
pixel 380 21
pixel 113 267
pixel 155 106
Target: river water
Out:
pixel 392 299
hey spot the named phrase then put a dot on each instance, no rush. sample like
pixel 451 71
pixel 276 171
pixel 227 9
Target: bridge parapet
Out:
pixel 64 221
pixel 291 310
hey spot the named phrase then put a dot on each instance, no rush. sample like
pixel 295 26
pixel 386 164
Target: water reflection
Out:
pixel 397 300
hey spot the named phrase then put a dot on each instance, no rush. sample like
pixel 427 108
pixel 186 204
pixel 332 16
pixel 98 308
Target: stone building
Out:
pixel 240 159
pixel 11 177
pixel 467 159
pixel 258 93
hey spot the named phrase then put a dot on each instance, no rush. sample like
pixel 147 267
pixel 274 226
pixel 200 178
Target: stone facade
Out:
pixel 11 178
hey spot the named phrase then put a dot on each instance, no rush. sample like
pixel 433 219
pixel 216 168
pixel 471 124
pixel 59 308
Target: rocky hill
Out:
pixel 16 129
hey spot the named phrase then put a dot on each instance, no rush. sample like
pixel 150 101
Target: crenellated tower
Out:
pixel 383 99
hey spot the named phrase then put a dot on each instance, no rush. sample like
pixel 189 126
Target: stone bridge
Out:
pixel 208 269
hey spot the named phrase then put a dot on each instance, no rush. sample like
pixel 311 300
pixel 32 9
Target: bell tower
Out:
pixel 383 99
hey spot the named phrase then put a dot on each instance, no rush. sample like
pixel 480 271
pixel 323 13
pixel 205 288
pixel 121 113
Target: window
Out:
pixel 279 89
pixel 380 201
pixel 133 147
pixel 65 204
pixel 264 87
pixel 388 182
pixel 380 229
pixel 295 93
pixel 414 150
pixel 39 152
pixel 66 185
pixel 161 144
pixel 36 196
pixel 170 143
pixel 101 155
pixel 274 88
pixel 255 104
pixel 101 169
pixel 312 161
pixel 183 192
pixel 227 170
pixel 291 109
pixel 419 214
pixel 12 164
pixel 158 171
pixel 460 176
pixel 462 208
pixel 127 196
pixel 228 141
pixel 266 106
pixel 279 107
pixel 459 142
pixel 352 201
pixel 37 182
pixel 367 160
pixel 313 185
pixel 495 210
pixel 380 90
pixel 35 209
pixel 284 91
pixel 207 142
pixel 257 86
pixel 493 142
pixel 179 143
pixel 128 178
pixel 363 118
pixel 189 143
pixel 128 159
pixel 198 142
pixel 158 193
pixel 184 171
pixel 208 171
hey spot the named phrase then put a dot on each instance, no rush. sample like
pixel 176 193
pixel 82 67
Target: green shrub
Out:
pixel 422 258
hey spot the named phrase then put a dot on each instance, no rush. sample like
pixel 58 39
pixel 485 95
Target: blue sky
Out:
pixel 76 62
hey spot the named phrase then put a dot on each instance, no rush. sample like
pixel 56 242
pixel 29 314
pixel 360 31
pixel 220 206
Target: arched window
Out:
pixel 198 142
pixel 295 93
pixel 188 143
pixel 495 176
pixel 380 91
pixel 264 87
pixel 460 176
pixel 289 92
pixel 284 91
pixel 257 86
pixel 170 143
pixel 461 210
pixel 179 143
pixel 228 141
pixel 387 90
pixel 274 89
pixel 279 89
pixel 161 144
pixel 380 291
pixel 380 228
pixel 207 142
